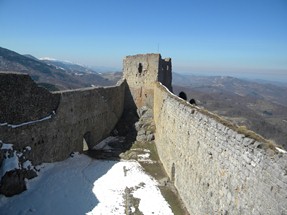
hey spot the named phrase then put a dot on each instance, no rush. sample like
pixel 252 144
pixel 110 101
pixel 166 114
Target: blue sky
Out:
pixel 229 37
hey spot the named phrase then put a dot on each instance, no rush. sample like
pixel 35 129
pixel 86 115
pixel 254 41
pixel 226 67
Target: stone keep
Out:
pixel 141 73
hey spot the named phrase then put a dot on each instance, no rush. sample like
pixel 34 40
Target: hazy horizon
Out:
pixel 233 38
pixel 279 76
pixel 252 76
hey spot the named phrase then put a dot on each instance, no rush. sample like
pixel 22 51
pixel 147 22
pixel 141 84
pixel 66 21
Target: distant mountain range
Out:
pixel 52 74
pixel 68 66
pixel 222 84
pixel 260 107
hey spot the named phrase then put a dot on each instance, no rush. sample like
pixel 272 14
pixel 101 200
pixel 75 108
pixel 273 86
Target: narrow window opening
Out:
pixel 140 68
pixel 173 172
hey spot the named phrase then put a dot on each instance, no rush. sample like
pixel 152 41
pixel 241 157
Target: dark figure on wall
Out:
pixel 192 101
pixel 182 95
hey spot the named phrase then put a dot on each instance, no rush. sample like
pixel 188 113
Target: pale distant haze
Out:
pixel 241 38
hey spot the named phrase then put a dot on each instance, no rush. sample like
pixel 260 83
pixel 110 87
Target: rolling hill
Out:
pixel 54 76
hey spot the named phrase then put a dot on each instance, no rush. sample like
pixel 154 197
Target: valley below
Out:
pixel 259 107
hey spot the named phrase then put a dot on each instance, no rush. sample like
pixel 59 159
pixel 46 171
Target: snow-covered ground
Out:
pixel 81 185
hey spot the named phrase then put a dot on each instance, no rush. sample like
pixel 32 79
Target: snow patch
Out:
pixel 61 68
pixel 149 201
pixel 281 150
pixel 7 146
pixel 11 160
pixel 9 164
pixel 27 123
pixel 28 148
pixel 86 186
pixel 110 192
pixel 19 154
pixel 145 158
pixel 27 165
pixel 48 58
pixel 146 150
pixel 78 74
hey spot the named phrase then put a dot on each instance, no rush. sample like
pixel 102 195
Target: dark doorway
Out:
pixel 87 141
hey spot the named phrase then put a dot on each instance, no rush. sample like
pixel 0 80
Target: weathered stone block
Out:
pixel 12 183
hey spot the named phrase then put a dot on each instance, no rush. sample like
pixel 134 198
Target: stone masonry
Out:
pixel 21 100
pixel 215 169
pixel 90 112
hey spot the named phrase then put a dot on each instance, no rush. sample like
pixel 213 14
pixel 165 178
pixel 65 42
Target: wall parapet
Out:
pixel 21 100
pixel 214 168
pixel 92 111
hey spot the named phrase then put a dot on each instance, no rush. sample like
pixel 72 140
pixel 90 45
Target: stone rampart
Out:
pixel 91 113
pixel 215 169
pixel 21 100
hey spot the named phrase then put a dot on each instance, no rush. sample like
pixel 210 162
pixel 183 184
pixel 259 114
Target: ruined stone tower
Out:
pixel 141 73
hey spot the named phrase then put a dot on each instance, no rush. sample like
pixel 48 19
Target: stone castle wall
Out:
pixel 215 169
pixel 21 100
pixel 59 129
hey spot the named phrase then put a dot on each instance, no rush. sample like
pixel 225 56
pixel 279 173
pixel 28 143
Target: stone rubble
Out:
pixel 145 127
pixel 12 179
